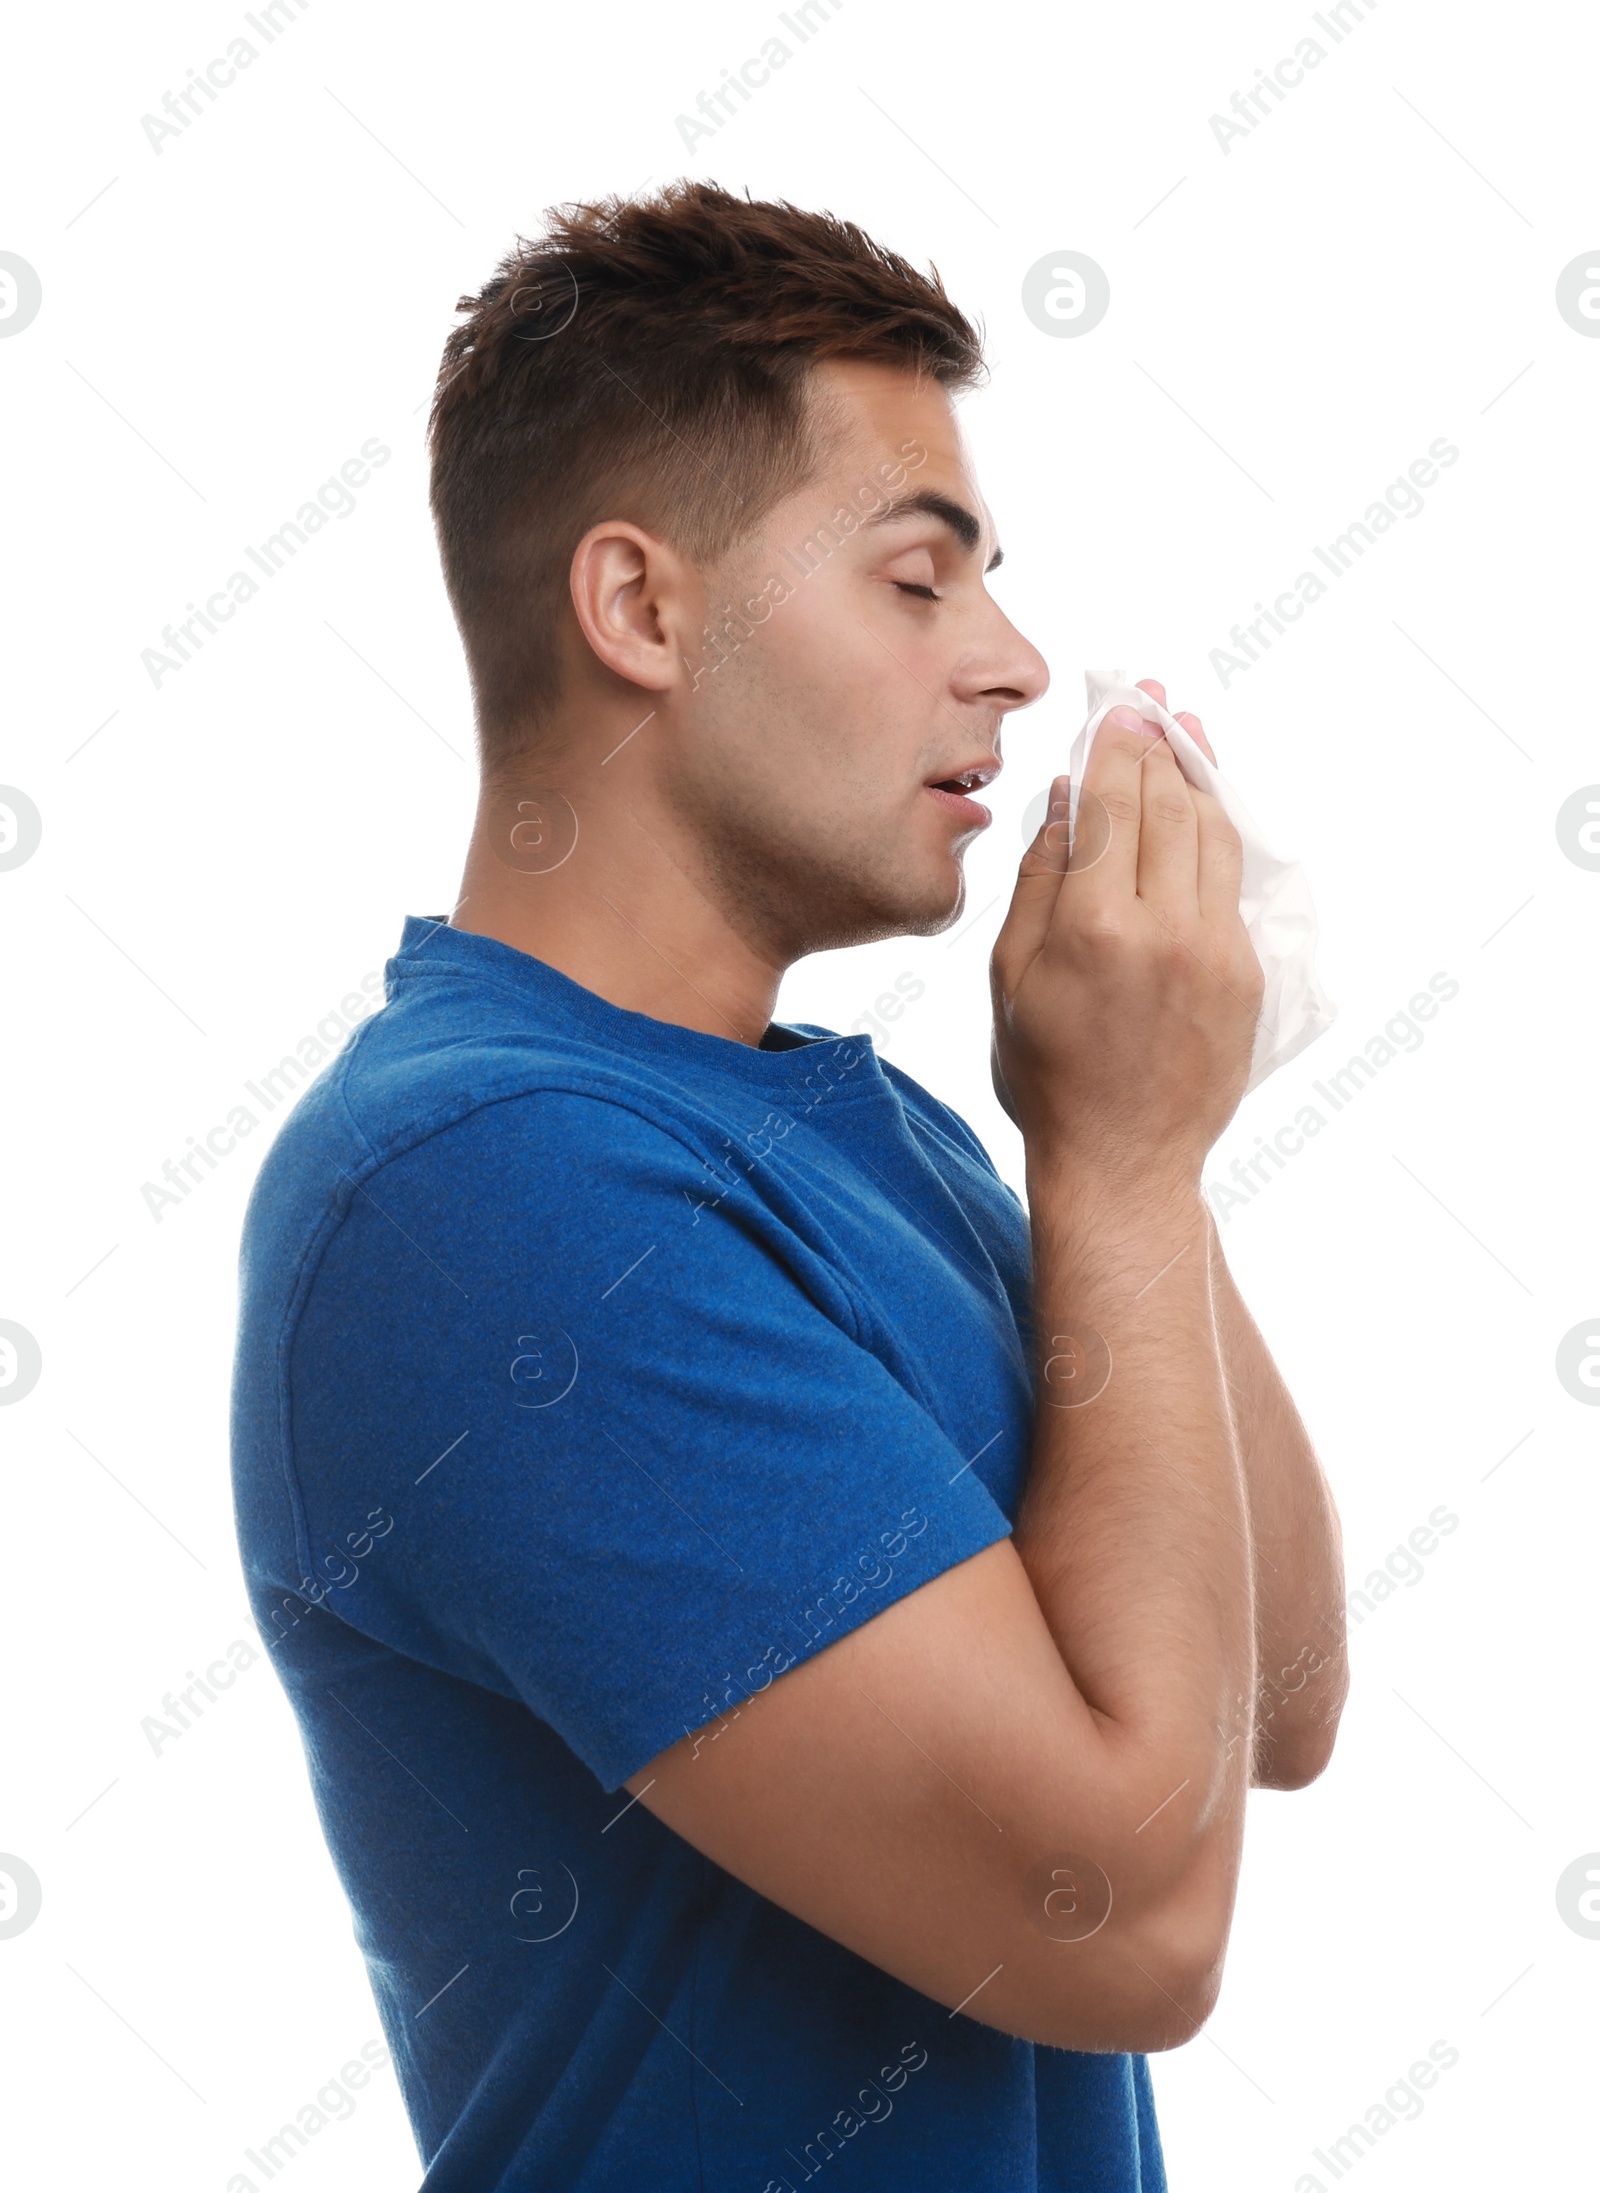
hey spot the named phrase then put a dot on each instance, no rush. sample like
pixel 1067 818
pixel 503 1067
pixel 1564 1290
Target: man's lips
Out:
pixel 971 812
pixel 954 791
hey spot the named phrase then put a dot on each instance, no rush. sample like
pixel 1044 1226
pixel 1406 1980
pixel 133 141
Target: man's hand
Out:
pixel 1126 991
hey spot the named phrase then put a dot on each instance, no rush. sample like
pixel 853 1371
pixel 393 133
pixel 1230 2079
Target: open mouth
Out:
pixel 955 791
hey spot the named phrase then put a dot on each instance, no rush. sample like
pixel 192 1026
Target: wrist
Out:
pixel 1130 1194
pixel 1098 1242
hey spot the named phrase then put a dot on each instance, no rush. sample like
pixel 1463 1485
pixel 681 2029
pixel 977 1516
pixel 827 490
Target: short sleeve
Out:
pixel 633 1457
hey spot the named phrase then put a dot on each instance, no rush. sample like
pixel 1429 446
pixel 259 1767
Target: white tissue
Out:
pixel 1274 897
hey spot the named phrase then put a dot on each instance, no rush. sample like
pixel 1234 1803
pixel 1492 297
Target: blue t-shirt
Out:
pixel 592 1372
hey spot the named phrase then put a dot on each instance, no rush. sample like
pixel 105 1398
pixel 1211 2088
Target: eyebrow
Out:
pixel 929 503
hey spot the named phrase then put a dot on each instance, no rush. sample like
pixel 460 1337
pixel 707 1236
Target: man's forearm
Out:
pixel 1299 1568
pixel 1135 1528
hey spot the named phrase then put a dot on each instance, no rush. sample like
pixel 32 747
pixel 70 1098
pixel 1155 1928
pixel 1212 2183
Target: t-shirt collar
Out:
pixel 788 1052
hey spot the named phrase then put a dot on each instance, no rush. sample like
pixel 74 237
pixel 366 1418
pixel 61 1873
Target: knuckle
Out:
pixel 1176 957
pixel 1132 745
pixel 1098 929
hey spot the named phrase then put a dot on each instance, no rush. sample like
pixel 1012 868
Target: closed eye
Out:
pixel 925 593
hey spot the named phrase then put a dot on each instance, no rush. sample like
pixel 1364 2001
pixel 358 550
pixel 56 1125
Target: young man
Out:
pixel 781 1635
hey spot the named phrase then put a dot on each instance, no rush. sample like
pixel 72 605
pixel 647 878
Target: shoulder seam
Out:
pixel 338 1210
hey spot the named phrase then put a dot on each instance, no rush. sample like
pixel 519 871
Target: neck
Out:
pixel 605 884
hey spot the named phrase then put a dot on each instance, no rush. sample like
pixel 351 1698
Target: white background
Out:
pixel 229 318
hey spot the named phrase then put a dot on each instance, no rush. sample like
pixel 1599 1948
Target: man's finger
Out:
pixel 1192 725
pixel 1220 861
pixel 1158 692
pixel 1038 882
pixel 1168 838
pixel 1112 778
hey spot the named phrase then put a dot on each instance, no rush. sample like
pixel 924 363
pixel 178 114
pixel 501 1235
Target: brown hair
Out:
pixel 646 359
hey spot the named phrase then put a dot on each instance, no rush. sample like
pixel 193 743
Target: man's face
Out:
pixel 856 671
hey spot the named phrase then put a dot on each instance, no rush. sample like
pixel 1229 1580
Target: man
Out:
pixel 782 1636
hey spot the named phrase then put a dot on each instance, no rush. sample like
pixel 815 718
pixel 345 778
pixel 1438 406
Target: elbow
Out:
pixel 1154 1995
pixel 1297 1768
pixel 1146 1973
pixel 1298 1752
pixel 1159 2009
pixel 1179 2020
pixel 1184 1980
pixel 1176 1949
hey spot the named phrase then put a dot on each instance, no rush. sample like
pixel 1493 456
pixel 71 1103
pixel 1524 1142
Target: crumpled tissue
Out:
pixel 1274 897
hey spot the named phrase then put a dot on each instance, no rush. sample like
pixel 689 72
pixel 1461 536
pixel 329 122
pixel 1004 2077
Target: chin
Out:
pixel 858 897
pixel 932 922
pixel 924 907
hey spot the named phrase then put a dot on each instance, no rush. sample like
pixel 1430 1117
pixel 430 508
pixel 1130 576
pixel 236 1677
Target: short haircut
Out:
pixel 646 359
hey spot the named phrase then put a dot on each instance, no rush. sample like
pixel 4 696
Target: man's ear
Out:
pixel 635 598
